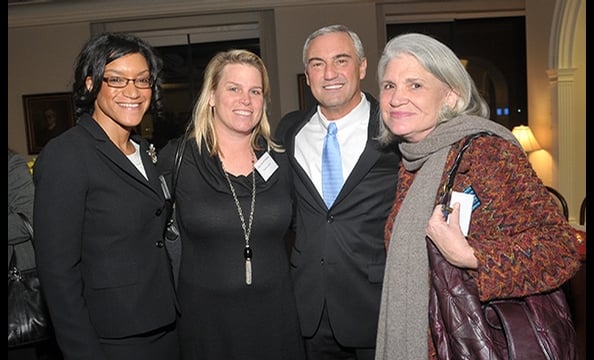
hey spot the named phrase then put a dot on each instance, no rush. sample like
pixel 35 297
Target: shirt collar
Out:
pixel 360 111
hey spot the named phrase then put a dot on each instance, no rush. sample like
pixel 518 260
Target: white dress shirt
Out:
pixel 136 159
pixel 351 134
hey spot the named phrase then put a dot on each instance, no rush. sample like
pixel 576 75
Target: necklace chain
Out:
pixel 247 253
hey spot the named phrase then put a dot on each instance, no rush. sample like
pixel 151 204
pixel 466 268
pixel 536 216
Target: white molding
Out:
pixel 563 85
pixel 566 133
pixel 442 11
pixel 73 11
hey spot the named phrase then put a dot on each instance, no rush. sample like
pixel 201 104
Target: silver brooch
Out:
pixel 152 152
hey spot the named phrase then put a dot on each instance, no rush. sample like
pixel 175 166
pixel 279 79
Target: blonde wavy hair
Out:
pixel 203 114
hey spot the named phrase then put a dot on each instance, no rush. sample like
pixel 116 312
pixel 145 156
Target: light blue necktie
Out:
pixel 331 166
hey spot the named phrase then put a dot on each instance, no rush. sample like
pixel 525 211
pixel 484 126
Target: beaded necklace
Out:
pixel 247 251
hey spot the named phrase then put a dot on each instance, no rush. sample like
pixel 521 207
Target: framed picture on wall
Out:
pixel 306 99
pixel 46 116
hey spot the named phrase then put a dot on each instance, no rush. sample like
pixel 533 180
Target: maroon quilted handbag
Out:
pixel 532 327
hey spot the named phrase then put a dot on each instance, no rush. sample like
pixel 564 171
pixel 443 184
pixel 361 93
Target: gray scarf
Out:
pixel 403 320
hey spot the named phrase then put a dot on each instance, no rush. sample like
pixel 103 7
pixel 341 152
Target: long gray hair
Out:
pixel 440 61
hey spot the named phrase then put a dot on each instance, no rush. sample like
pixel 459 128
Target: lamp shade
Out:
pixel 526 138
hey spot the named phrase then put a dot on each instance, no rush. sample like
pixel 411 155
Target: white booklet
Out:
pixel 466 201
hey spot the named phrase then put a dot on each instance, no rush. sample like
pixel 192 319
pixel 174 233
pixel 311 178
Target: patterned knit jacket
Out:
pixel 523 243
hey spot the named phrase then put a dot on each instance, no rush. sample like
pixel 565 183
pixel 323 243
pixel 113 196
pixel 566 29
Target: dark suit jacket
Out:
pixel 99 241
pixel 338 256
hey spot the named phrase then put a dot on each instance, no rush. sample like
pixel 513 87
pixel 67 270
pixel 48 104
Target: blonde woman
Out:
pixel 234 208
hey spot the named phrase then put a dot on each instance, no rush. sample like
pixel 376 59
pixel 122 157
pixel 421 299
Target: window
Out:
pixel 183 68
pixel 494 50
pixel 186 44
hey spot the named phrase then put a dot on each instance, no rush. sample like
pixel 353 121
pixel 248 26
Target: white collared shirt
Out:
pixel 136 159
pixel 351 134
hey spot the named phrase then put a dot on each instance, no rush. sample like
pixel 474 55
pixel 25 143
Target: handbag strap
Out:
pixel 27 225
pixel 171 232
pixel 13 269
pixel 447 187
pixel 177 160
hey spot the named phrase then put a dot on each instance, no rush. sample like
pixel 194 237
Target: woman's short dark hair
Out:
pixel 101 50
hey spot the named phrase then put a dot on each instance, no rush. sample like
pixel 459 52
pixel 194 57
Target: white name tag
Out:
pixel 465 201
pixel 266 166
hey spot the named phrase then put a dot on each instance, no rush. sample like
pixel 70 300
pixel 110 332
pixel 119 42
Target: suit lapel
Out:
pixel 369 157
pixel 370 154
pixel 149 166
pixel 112 154
pixel 297 124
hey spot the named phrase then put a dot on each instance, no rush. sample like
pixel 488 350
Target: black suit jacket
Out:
pixel 338 257
pixel 99 241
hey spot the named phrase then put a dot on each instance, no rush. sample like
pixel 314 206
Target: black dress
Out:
pixel 221 316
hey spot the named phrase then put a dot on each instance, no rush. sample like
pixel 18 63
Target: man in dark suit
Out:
pixel 338 256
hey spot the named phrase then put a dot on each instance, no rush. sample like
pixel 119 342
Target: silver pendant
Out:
pixel 248 272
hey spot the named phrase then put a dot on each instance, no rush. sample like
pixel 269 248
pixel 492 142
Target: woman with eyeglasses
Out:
pixel 100 213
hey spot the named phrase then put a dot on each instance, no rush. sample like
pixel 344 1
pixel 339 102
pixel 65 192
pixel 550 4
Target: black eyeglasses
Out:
pixel 120 82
